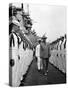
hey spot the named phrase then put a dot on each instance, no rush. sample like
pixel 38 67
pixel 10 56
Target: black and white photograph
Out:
pixel 37 44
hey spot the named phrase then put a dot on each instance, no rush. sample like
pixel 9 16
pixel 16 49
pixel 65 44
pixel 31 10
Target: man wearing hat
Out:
pixel 44 54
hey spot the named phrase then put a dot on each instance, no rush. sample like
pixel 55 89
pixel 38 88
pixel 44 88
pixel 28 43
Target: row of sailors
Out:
pixel 58 59
pixel 60 45
pixel 58 55
pixel 20 47
pixel 15 37
pixel 20 59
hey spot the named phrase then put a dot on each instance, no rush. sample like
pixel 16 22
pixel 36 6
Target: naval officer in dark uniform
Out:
pixel 44 54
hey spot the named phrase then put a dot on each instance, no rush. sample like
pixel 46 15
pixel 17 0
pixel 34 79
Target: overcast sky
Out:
pixel 48 19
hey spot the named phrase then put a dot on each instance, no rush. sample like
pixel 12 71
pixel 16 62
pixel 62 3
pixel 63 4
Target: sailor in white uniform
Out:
pixel 39 63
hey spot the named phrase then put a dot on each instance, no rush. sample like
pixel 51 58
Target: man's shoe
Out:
pixel 45 74
pixel 47 71
pixel 38 70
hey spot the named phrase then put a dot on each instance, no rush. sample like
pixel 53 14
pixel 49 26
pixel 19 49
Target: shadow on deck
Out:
pixel 34 77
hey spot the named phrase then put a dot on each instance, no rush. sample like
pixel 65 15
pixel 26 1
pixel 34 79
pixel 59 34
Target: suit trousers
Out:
pixel 45 62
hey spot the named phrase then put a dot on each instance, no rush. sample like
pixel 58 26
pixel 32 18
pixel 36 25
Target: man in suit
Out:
pixel 44 54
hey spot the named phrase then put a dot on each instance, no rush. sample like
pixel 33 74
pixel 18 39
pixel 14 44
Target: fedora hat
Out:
pixel 44 37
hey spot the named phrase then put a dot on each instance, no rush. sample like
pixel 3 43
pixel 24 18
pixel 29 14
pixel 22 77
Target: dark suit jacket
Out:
pixel 44 50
